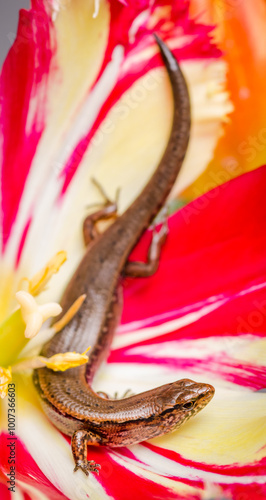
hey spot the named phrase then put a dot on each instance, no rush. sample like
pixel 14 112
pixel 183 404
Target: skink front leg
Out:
pixel 107 211
pixel 79 443
pixel 90 231
pixel 145 269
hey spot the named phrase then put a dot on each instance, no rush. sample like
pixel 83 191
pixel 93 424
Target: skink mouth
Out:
pixel 210 390
pixel 207 394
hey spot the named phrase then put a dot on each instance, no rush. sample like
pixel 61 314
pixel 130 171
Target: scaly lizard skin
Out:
pixel 68 398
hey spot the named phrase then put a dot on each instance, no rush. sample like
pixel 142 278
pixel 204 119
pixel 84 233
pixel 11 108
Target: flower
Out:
pixel 240 34
pixel 202 314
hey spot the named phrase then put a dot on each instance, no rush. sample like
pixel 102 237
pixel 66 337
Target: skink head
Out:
pixel 179 401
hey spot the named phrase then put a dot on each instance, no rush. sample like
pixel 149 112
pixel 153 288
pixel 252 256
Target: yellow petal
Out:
pixel 231 429
pixel 145 106
pixel 12 338
pixel 64 361
pixel 6 289
pixel 5 379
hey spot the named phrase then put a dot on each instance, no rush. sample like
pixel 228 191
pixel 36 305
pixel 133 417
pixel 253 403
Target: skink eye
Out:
pixel 189 405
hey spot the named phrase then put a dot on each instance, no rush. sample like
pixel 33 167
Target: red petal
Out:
pixel 26 468
pixel 23 79
pixel 4 493
pixel 176 18
pixel 117 479
pixel 216 246
pixel 237 470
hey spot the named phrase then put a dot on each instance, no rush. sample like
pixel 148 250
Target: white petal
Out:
pixel 50 450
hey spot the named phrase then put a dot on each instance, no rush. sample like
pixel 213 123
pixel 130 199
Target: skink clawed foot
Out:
pixel 87 466
pixel 159 237
pixel 79 442
pixel 162 219
pixel 107 210
pixel 144 269
pixel 127 394
pixel 106 198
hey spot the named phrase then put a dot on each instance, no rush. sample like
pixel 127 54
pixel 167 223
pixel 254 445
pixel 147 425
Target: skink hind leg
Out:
pixel 128 393
pixel 104 395
pixel 145 269
pixel 107 211
pixel 79 442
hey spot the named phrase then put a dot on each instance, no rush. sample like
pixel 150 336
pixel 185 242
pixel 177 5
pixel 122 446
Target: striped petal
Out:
pixel 85 96
pixel 221 452
pixel 214 331
pixel 224 230
pixel 94 81
pixel 240 34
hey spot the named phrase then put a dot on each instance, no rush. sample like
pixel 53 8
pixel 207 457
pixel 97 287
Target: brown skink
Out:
pixel 68 398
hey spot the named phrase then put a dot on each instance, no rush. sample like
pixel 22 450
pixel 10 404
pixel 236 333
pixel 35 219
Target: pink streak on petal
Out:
pixel 216 246
pixel 120 482
pixel 24 78
pixel 236 491
pixel 240 315
pixel 243 374
pixel 22 241
pixel 127 453
pixel 249 469
pixel 26 468
pixel 234 318
pixel 121 21
pixel 117 479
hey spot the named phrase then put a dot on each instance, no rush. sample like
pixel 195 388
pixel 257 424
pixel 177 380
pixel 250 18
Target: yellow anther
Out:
pixel 64 361
pixel 59 325
pixel 40 279
pixel 5 379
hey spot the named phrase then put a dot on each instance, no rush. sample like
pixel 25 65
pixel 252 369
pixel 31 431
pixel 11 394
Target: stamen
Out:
pixel 64 361
pixel 37 284
pixel 57 362
pixel 34 315
pixel 5 379
pixel 59 325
